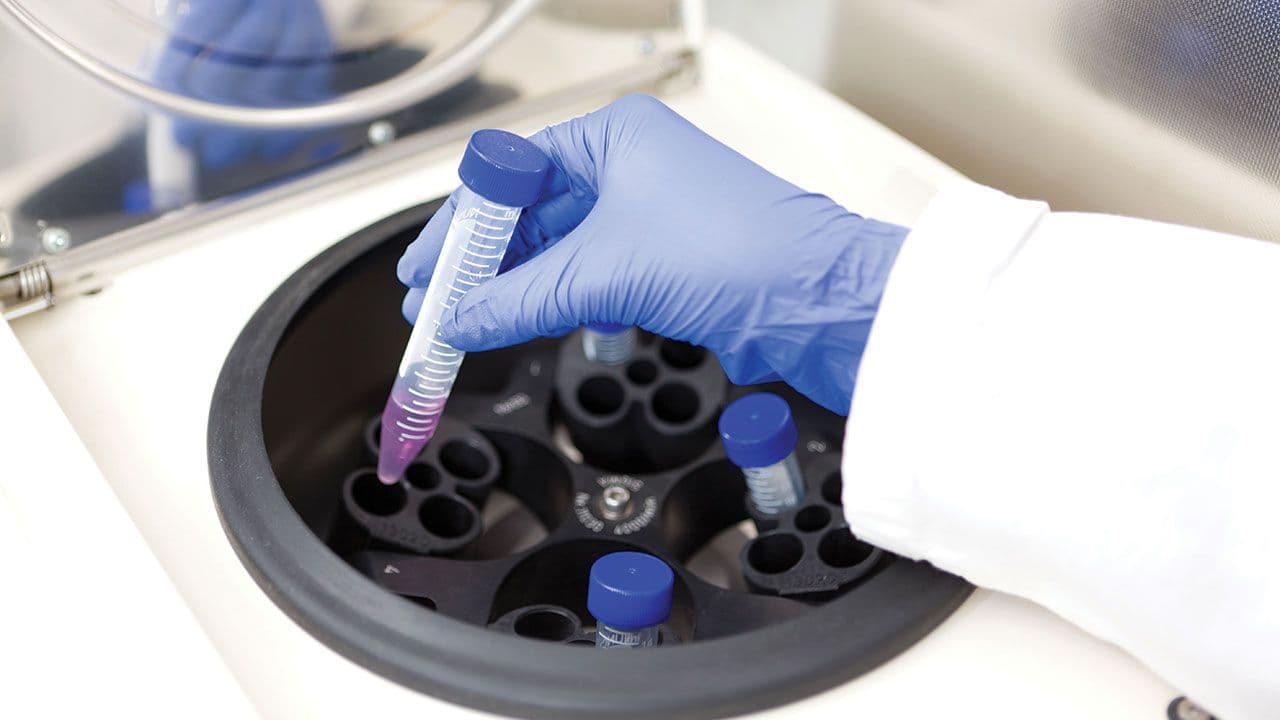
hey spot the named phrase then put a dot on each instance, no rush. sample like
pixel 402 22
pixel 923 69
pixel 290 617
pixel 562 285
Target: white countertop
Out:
pixel 133 368
pixel 88 618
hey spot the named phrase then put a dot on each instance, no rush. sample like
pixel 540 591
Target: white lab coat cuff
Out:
pixel 912 393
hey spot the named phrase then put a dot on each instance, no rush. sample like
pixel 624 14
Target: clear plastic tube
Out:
pixel 473 248
pixel 607 345
pixel 777 486
pixel 611 637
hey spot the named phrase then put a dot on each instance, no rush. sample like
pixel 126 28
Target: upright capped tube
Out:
pixel 501 173
pixel 608 343
pixel 629 595
pixel 760 436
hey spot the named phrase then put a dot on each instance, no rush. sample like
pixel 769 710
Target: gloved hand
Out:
pixel 260 53
pixel 648 221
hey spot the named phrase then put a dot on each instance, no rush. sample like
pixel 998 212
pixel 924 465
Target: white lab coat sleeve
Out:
pixel 1084 410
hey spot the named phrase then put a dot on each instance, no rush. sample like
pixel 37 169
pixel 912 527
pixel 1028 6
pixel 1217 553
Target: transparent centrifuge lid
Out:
pixel 136 121
pixel 223 60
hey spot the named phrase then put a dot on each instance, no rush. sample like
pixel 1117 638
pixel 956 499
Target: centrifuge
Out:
pixel 197 353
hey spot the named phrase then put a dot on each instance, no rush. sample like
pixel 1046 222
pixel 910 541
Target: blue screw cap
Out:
pixel 758 431
pixel 504 168
pixel 630 590
pixel 607 328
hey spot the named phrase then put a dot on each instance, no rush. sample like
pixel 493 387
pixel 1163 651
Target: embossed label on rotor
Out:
pixel 648 511
pixel 582 510
pixel 519 401
pixel 618 509
pixel 625 481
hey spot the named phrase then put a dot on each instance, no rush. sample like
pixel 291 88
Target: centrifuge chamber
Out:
pixel 467 580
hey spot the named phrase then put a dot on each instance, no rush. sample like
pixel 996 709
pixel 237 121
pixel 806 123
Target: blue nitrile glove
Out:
pixel 259 53
pixel 647 221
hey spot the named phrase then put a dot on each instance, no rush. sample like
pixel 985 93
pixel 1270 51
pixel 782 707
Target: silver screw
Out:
pixel 55 239
pixel 647 46
pixel 614 501
pixel 381 132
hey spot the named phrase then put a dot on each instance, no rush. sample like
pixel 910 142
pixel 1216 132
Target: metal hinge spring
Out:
pixel 28 290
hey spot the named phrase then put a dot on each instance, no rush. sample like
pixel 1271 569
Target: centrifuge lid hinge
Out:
pixel 27 290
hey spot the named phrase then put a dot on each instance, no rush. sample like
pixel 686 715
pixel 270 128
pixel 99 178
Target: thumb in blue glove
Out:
pixel 648 221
